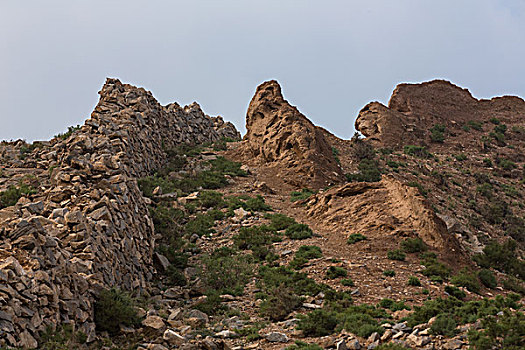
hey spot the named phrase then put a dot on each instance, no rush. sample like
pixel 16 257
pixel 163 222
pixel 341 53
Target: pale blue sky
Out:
pixel 331 57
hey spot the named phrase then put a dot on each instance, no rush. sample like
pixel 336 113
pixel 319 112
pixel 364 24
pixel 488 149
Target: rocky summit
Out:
pixel 158 227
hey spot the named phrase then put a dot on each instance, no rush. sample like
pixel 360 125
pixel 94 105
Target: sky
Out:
pixel 331 57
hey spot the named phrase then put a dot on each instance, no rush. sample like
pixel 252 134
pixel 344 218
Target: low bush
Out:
pixel 279 303
pixel 502 257
pixel 347 282
pixel 318 323
pixel 514 284
pixel 414 281
pixel 298 231
pixel 417 151
pixel 455 292
pixel 211 199
pixel 475 125
pixel 396 255
pixel 227 271
pixel 437 133
pixel 299 345
pixel 257 204
pixel 149 183
pixel 11 196
pixel 258 239
pixel 112 309
pixel 355 237
pixel 212 305
pixel 280 221
pixel 413 245
pixel 503 332
pixel 200 225
pixel 466 279
pixel 369 171
pixel 389 273
pixel 393 305
pixel 305 253
pixel 334 272
pixel 487 278
pixel 435 270
pixel 301 195
pixel 273 277
pixel 444 325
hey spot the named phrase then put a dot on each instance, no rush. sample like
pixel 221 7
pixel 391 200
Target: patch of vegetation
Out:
pixel 389 273
pixel 485 190
pixel 335 153
pixel 304 254
pixel 114 308
pixel 414 281
pixel 301 195
pixel 200 225
pixel 435 270
pixel 475 125
pixel 502 257
pixel 514 284
pixel 396 255
pixel 495 121
pixel 503 332
pixel 391 346
pixel 274 277
pixel 334 272
pixel 368 172
pixel 466 279
pixel 299 231
pixel 280 221
pixel 455 292
pixel 413 245
pixel 444 325
pixel 212 305
pixel 279 303
pixel 417 185
pixel 63 338
pixel 437 133
pixel 299 345
pixel 258 239
pixel 347 282
pixel 211 199
pixel 318 323
pixel 487 278
pixel 227 271
pixel 355 237
pixel 417 151
pixel 461 157
pixel 69 132
pixel 393 305
pixel 13 193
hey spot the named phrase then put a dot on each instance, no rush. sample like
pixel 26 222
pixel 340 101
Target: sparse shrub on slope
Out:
pixel 112 309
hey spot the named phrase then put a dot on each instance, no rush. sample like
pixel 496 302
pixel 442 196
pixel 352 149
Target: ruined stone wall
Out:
pixel 88 227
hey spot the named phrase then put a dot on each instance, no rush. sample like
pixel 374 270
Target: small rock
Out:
pixel 172 337
pixel 373 345
pixel 226 334
pixel 353 344
pixel 27 341
pixel 155 322
pixel 276 337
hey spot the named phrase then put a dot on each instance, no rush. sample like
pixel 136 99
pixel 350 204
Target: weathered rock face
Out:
pixel 280 136
pixel 381 209
pixel 88 227
pixel 414 108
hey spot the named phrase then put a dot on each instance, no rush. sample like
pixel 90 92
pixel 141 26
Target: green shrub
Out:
pixel 212 305
pixel 347 282
pixel 227 167
pixel 62 338
pixel 461 157
pixel 211 199
pixel 355 237
pixel 475 125
pixel 301 195
pixel 485 190
pixel 418 186
pixel 334 272
pixel 149 183
pixel 299 231
pixel 335 154
pixel 487 278
pixel 487 162
pixel 69 132
pixel 504 332
pixel 466 279
pixel 393 305
pixel 175 276
pixel 273 277
pixel 437 271
pixel 413 245
pixel 417 151
pixel 257 204
pixel 414 281
pixel 495 121
pixel 279 303
pixel 444 325
pixel 361 324
pixel 112 309
pixel 227 271
pixel 514 284
pixel 280 221
pixel 455 292
pixel 305 253
pixel 318 323
pixel 396 255
pixel 11 196
pixel 200 225
pixel 389 273
pixel 502 257
pixel 368 172
pixel 256 238
pixel 391 346
pixel 437 133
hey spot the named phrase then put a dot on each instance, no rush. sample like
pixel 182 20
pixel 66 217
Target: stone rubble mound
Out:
pixel 88 226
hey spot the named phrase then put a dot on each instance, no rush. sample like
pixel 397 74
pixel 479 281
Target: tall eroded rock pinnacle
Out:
pixel 279 135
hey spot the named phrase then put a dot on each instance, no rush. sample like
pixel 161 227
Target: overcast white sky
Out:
pixel 331 57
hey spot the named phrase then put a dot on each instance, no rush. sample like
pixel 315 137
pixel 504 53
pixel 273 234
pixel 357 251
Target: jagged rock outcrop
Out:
pixel 88 226
pixel 414 108
pixel 281 137
pixel 381 209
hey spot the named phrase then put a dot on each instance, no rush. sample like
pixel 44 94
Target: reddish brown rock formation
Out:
pixel 280 136
pixel 414 108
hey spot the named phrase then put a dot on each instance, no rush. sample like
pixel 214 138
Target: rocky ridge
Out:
pixel 87 227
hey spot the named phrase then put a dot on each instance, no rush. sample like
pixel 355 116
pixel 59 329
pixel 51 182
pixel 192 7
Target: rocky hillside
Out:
pixel 156 227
